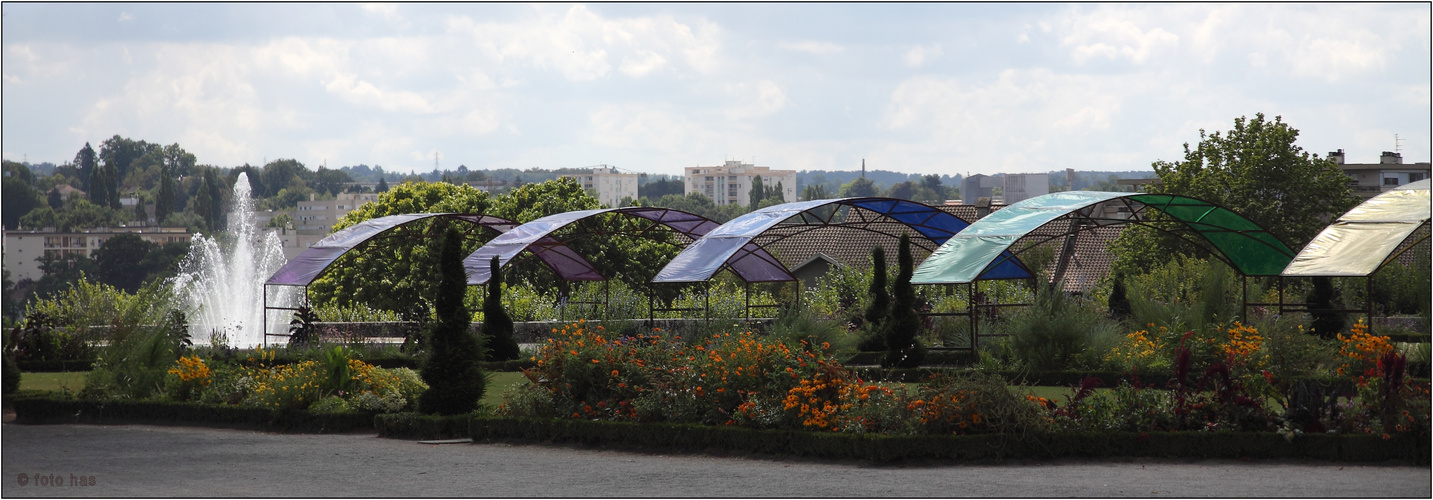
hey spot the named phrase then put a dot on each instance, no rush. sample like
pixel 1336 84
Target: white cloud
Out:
pixel 762 99
pixel 812 47
pixel 918 55
pixel 1115 34
pixel 125 17
pixel 355 91
pixel 583 46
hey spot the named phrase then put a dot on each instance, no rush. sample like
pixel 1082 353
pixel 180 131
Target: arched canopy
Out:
pixel 1252 250
pixel 306 266
pixel 731 244
pixel 535 237
pixel 1365 238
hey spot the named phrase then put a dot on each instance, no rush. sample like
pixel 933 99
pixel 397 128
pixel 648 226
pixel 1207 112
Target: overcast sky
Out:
pixel 943 88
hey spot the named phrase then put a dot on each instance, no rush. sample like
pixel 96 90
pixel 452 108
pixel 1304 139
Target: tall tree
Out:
pixel 880 306
pixel 814 192
pixel 1254 169
pixel 382 186
pixel 85 162
pixel 164 199
pixel 778 193
pixel 120 153
pixel 18 197
pixel 758 193
pixel 455 380
pixel 139 213
pixel 179 161
pixel 904 322
pixel 859 187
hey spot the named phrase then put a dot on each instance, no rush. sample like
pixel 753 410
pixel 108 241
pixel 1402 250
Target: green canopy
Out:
pixel 1365 238
pixel 1252 250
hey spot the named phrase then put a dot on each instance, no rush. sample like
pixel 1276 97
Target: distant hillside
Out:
pixel 882 179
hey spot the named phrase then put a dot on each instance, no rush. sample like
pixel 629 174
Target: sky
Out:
pixel 918 88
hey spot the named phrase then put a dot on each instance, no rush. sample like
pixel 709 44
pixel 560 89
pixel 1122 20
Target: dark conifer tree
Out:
pixel 455 379
pixel 1327 323
pixel 879 306
pixel 904 322
pixel 497 325
pixel 1120 308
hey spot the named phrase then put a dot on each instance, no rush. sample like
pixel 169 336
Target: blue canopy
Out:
pixel 731 244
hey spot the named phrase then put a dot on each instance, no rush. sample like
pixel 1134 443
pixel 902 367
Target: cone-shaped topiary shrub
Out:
pixel 497 325
pixel 1120 308
pixel 455 380
pixel 880 304
pixel 904 322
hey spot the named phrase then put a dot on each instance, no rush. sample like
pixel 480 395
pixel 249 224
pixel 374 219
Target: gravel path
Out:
pixel 140 460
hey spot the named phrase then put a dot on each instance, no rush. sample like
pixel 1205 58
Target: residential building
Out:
pixel 731 182
pixel 322 214
pixel 24 247
pixel 1013 187
pixel 1369 179
pixel 607 184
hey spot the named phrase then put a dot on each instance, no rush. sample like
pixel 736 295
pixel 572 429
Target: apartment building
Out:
pixel 24 247
pixel 607 184
pixel 1013 187
pixel 1369 179
pixel 731 182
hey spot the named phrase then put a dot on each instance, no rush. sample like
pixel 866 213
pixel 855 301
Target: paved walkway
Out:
pixel 140 460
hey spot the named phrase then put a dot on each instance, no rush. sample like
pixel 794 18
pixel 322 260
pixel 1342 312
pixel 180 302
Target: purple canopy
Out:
pixel 306 266
pixel 534 237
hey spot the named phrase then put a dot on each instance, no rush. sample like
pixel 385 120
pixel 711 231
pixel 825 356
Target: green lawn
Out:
pixel 73 381
pixel 499 382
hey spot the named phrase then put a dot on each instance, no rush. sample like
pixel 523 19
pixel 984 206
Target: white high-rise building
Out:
pixel 607 184
pixel 731 182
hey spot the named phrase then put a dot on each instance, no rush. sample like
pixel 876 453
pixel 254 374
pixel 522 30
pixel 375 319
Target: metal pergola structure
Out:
pixel 1246 247
pixel 303 269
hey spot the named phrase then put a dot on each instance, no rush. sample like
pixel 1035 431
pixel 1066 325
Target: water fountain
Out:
pixel 222 283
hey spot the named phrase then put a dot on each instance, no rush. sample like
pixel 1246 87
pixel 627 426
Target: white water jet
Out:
pixel 222 284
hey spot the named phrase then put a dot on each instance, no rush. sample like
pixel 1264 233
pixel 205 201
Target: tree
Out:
pixel 1120 307
pixel 497 325
pixel 455 380
pixel 164 199
pixel 61 271
pixel 100 182
pixel 330 181
pixel 904 190
pixel 658 189
pixel 757 194
pixel 1255 169
pixel 139 213
pixel 279 174
pixel 397 277
pixel 814 192
pixel 120 153
pixel 880 306
pixel 19 198
pixel 860 187
pixel 118 261
pixel 85 162
pixel 904 321
pixel 54 199
pixel 382 186
pixel 777 193
pixel 1328 322
pixel 178 161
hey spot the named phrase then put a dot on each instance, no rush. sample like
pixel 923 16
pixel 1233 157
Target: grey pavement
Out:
pixel 149 461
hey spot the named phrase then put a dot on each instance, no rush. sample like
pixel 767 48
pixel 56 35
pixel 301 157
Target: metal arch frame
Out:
pixel 811 214
pixel 655 224
pixel 383 238
pixel 1367 309
pixel 1137 217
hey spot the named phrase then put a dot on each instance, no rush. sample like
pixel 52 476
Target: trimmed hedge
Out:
pixel 419 426
pixel 882 448
pixel 49 410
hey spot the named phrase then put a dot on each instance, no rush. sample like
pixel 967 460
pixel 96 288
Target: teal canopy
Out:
pixel 984 245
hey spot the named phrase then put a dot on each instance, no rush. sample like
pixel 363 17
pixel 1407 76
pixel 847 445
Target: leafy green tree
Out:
pixel 77 213
pixel 497 325
pixel 100 185
pixel 699 204
pixel 19 198
pixel 120 154
pixel 140 214
pixel 455 380
pixel 904 321
pixel 54 199
pixel 879 308
pixel 1254 169
pixel 398 277
pixel 330 181
pixel 178 161
pixel 382 186
pixel 119 260
pixel 858 188
pixel 162 261
pixel 282 173
pixel 658 189
pixel 59 272
pixel 1257 170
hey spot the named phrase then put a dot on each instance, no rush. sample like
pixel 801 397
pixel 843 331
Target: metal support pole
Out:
pixel 606 299
pixel 1281 295
pixel 1368 300
pixel 265 326
pixel 974 321
pixel 748 302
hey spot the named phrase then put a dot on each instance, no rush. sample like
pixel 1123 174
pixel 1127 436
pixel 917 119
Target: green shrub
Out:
pixel 879 307
pixel 798 326
pixel 455 380
pixel 903 325
pixel 1057 333
pixel 497 326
